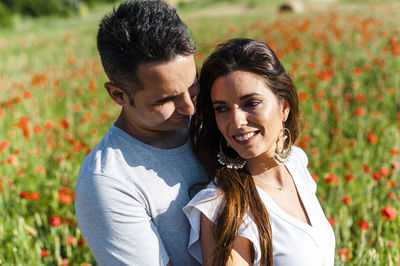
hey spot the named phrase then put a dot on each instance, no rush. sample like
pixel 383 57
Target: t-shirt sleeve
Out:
pixel 114 223
pixel 208 202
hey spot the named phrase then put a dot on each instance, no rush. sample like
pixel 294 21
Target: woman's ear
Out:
pixel 285 110
pixel 116 93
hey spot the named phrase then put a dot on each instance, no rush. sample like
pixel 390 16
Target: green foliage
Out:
pixel 94 2
pixel 37 8
pixel 368 1
pixel 6 20
pixel 190 5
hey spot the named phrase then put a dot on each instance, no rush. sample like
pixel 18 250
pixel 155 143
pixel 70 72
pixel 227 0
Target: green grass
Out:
pixel 344 60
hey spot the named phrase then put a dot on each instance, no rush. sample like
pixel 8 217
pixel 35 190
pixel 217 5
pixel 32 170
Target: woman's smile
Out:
pixel 243 139
pixel 248 114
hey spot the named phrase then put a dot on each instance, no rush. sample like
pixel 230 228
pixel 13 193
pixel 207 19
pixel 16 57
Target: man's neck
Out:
pixel 162 140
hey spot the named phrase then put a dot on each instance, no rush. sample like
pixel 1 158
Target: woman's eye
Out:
pixel 220 109
pixel 252 103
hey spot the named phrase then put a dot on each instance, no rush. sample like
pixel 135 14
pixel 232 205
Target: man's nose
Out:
pixel 185 105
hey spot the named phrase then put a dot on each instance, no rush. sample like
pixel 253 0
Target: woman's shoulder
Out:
pixel 300 159
pixel 299 155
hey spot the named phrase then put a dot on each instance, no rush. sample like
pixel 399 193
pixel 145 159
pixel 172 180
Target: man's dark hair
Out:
pixel 139 32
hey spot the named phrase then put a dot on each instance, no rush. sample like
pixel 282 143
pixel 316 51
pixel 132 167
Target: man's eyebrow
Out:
pixel 218 102
pixel 173 97
pixel 166 99
pixel 241 98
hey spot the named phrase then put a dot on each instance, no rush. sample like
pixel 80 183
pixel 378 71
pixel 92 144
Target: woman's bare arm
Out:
pixel 241 251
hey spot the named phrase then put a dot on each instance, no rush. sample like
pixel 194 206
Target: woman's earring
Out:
pixel 281 157
pixel 223 159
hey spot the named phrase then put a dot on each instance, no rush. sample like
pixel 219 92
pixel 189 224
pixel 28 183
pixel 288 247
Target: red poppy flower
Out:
pixel 55 221
pixel 302 96
pixel 331 221
pixel 363 225
pixel 71 240
pixel 392 195
pixel 24 195
pixel 344 252
pixel 384 171
pixel 37 129
pixel 377 176
pixel 389 213
pixel 357 70
pixel 315 177
pixel 332 179
pixel 35 196
pixel 349 177
pixel 359 111
pixel 366 168
pixel 372 138
pixel 4 145
pixel 346 200
pixel 44 253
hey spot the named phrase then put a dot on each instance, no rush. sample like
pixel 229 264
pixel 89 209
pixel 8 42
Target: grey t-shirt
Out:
pixel 129 199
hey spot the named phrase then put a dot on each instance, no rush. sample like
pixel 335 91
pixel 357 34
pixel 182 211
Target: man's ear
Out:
pixel 116 93
pixel 285 110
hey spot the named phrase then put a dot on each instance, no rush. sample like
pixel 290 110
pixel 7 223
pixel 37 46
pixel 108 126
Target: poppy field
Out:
pixel 344 61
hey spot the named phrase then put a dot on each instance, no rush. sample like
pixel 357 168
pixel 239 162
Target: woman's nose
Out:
pixel 238 118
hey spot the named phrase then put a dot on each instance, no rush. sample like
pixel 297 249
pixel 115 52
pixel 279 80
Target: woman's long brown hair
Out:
pixel 239 191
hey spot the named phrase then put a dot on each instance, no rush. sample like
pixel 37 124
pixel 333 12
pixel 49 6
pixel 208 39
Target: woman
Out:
pixel 260 208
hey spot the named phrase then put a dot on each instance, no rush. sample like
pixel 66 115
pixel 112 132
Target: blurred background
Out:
pixel 343 56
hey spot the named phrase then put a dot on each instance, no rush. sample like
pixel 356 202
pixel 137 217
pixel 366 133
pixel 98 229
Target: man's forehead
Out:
pixel 161 80
pixel 154 65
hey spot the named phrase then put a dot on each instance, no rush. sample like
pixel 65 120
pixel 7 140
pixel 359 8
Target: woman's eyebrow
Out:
pixel 241 98
pixel 249 95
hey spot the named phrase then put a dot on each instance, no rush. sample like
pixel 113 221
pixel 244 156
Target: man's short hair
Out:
pixel 139 32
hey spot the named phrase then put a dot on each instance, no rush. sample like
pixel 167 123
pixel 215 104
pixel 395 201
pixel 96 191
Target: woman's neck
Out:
pixel 261 164
pixel 265 170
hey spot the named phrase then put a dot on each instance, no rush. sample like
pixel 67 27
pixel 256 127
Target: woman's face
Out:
pixel 248 114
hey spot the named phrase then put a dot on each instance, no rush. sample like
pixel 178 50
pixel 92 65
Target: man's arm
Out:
pixel 114 222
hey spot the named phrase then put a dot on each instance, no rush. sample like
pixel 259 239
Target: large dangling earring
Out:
pixel 281 157
pixel 223 159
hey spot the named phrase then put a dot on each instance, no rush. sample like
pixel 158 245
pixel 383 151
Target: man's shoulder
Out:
pixel 107 156
pixel 120 160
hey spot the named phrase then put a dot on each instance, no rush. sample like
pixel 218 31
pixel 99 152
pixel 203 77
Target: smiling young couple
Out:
pixel 133 204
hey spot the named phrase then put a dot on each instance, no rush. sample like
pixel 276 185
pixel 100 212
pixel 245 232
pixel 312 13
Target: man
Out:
pixel 131 188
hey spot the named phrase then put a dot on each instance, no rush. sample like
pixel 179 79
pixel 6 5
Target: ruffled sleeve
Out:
pixel 302 162
pixel 208 201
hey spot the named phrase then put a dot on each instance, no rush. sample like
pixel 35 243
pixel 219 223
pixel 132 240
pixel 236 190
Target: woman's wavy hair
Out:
pixel 239 191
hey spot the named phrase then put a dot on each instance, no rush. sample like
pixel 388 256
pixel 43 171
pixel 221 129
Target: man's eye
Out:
pixel 166 100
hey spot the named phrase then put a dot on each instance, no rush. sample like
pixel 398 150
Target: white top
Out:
pixel 294 242
pixel 129 199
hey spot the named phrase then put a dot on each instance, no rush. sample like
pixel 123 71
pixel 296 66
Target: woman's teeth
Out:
pixel 245 136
